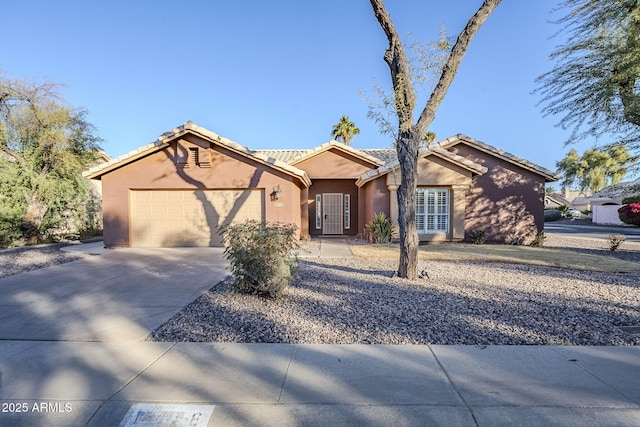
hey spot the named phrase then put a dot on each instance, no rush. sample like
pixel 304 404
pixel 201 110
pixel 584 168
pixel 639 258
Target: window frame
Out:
pixel 318 211
pixel 346 209
pixel 433 208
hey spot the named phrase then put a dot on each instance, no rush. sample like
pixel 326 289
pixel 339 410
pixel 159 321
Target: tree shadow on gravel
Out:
pixel 623 253
pixel 369 307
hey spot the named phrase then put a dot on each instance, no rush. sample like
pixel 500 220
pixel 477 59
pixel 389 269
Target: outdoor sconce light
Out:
pixel 277 192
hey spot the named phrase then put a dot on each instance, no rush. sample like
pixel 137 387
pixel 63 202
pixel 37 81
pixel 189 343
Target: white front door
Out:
pixel 332 213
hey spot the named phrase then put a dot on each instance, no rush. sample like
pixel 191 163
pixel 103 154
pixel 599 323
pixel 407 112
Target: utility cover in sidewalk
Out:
pixel 161 415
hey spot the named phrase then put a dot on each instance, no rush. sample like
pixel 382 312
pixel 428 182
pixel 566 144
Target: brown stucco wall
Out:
pixel 506 202
pixel 227 170
pixel 375 200
pixel 343 186
pixel 334 164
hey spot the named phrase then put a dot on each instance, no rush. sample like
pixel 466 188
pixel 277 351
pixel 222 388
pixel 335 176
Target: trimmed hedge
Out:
pixel 632 199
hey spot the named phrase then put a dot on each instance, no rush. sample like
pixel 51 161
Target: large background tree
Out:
pixel 410 133
pixel 595 168
pixel 594 83
pixel 345 130
pixel 44 147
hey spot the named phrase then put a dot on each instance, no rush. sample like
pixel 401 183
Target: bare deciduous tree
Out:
pixel 410 134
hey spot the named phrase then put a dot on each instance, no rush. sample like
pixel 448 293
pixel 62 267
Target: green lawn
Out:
pixel 505 253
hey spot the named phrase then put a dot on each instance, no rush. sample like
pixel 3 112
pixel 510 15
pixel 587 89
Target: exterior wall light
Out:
pixel 277 192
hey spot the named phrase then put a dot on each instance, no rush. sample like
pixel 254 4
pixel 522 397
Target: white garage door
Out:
pixel 189 218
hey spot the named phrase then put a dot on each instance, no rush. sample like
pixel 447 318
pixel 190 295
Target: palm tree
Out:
pixel 344 130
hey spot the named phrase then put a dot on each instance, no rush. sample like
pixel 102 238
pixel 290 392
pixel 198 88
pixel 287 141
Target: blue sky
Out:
pixel 279 74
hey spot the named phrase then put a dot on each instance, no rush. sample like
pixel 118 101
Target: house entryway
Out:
pixel 333 208
pixel 332 213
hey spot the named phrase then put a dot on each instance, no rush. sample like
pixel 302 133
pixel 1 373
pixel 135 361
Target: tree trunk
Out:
pixel 409 135
pixel 33 219
pixel 407 149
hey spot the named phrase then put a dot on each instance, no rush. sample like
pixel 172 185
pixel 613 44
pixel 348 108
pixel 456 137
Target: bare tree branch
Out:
pixel 453 62
pixel 396 57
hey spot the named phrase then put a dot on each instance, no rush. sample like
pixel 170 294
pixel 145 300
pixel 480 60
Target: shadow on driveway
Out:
pixel 121 295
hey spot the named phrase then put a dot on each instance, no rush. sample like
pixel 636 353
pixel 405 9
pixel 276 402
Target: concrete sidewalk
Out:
pixel 96 384
pixel 325 248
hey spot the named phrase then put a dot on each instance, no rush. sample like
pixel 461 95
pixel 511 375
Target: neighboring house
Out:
pixel 555 200
pixel 179 189
pixel 574 194
pixel 606 202
pixel 615 193
pixel 578 199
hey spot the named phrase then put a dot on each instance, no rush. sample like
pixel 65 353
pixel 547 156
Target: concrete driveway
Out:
pixel 120 295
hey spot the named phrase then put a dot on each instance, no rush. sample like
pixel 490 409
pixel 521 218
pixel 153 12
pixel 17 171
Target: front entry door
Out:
pixel 332 213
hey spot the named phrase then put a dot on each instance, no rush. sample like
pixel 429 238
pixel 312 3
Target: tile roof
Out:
pixel 190 127
pixel 559 199
pixel 424 152
pixel 619 191
pixel 285 159
pixel 549 175
pixel 340 146
pixel 283 155
pixel 385 155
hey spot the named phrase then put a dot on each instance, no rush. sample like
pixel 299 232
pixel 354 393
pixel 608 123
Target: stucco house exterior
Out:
pixel 179 189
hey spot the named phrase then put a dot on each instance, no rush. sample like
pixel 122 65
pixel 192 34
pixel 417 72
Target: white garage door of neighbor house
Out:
pixel 187 217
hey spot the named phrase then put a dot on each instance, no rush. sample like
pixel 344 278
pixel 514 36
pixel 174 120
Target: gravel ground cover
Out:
pixel 21 260
pixel 344 301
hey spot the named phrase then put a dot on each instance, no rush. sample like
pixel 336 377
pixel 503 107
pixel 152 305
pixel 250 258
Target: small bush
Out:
pixel 615 240
pixel 632 199
pixel 630 214
pixel 538 241
pixel 259 254
pixel 515 240
pixel 381 228
pixel 564 210
pixel 478 237
pixel 552 215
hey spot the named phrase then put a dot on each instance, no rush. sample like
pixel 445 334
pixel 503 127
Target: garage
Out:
pixel 179 189
pixel 161 218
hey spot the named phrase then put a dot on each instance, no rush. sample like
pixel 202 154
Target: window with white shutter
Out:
pixel 432 210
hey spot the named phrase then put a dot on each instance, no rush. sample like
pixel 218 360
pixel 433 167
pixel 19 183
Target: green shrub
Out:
pixel 615 240
pixel 10 222
pixel 515 240
pixel 478 237
pixel 564 210
pixel 260 255
pixel 632 199
pixel 552 215
pixel 538 241
pixel 381 228
pixel 630 214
